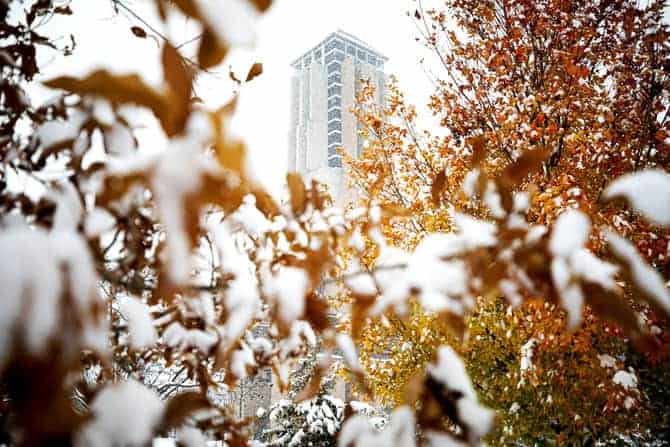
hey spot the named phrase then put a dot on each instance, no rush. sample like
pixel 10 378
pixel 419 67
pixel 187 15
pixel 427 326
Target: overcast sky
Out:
pixel 289 29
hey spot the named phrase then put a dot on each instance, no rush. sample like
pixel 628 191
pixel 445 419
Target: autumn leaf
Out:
pixel 138 32
pixel 298 193
pixel 117 89
pixel 179 79
pixel 212 50
pixel 262 5
pixel 437 187
pixel 181 407
pixel 255 70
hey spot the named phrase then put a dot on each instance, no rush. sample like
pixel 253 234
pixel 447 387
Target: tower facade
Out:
pixel 322 93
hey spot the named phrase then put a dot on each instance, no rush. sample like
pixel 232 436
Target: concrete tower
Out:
pixel 323 92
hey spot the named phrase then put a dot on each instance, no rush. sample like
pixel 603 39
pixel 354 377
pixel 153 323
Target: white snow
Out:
pixel 441 282
pixel 97 222
pixel 450 371
pixel 626 379
pixel 648 192
pixel 514 408
pixel 348 348
pixel 493 201
pixel 357 242
pixel 570 233
pixel 140 324
pixel 240 359
pixel 52 133
pixel 191 437
pixel 233 21
pixel 573 262
pixel 178 336
pixel 34 268
pixel 290 286
pixel 645 277
pixel 475 233
pixel 357 431
pixel 358 280
pixel 123 414
pixel 119 140
pixel 607 361
pixel 526 364
pixel 248 217
pixel 242 298
pixel 470 183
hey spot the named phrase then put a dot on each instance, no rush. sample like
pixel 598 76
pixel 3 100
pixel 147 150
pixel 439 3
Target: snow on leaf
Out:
pixel 475 233
pixel 358 432
pixel 140 324
pixel 626 379
pixel 572 262
pixel 176 335
pixel 98 221
pixel 125 413
pixel 648 192
pixel 645 278
pixel 450 372
pixel 349 353
pixel 290 287
pixel 570 233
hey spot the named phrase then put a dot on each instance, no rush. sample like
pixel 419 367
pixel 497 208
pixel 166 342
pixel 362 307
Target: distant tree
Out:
pixel 131 278
pixel 578 88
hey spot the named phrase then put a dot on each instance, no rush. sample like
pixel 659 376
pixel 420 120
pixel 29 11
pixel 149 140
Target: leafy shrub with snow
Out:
pixel 133 278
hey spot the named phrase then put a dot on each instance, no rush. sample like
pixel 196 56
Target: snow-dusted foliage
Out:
pixel 141 286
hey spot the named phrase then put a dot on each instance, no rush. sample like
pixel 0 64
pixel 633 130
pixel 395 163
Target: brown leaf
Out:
pixel 438 186
pixel 117 89
pixel 116 187
pixel 138 32
pixel 478 145
pixel 123 89
pixel 181 407
pixel 265 203
pixel 212 50
pixel 313 386
pixel 298 192
pixel 262 5
pixel 529 163
pixel 316 312
pixel 256 70
pixel 180 81
pixel 414 389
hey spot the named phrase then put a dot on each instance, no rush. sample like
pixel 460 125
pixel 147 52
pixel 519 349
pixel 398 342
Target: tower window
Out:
pixel 334 114
pixel 334 102
pixel 335 161
pixel 334 67
pixel 335 138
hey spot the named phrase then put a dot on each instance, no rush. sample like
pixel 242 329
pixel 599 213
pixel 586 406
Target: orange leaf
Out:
pixel 256 70
pixel 298 192
pixel 438 186
pixel 180 81
pixel 262 5
pixel 212 50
